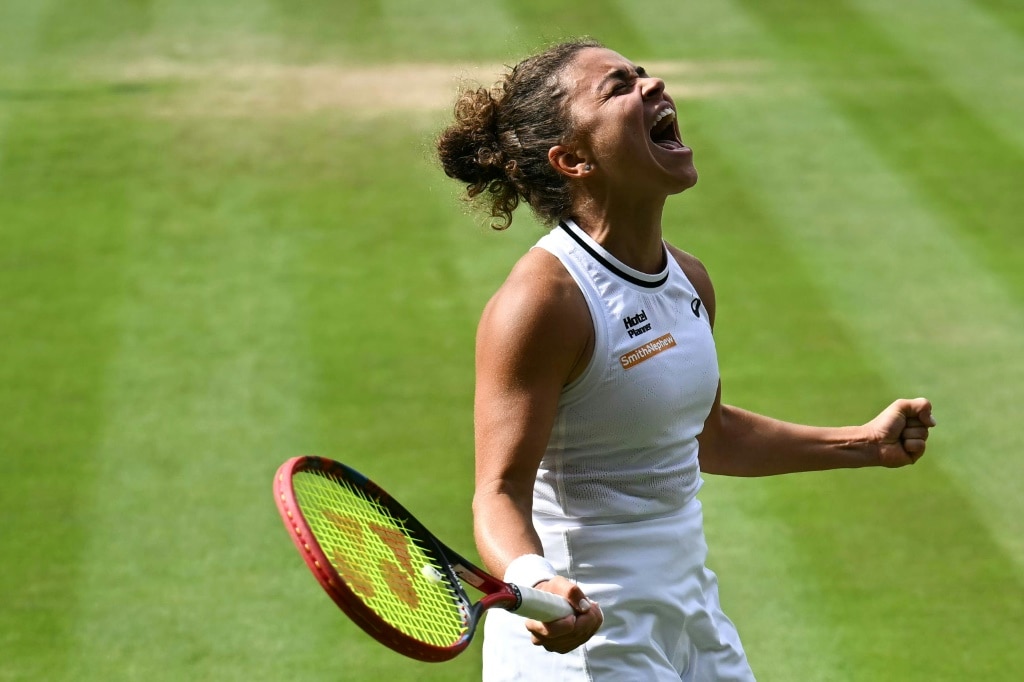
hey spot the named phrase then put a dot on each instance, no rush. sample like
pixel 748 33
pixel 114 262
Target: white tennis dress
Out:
pixel 615 497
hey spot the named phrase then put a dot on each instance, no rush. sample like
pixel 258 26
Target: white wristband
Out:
pixel 529 569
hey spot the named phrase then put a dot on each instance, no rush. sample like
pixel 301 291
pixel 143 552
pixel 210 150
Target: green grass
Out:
pixel 221 248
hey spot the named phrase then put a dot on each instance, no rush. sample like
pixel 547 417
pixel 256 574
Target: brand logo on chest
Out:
pixel 637 324
pixel 647 351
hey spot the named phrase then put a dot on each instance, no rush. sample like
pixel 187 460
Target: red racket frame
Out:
pixel 497 593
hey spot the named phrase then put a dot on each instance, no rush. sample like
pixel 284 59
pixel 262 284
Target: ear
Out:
pixel 568 162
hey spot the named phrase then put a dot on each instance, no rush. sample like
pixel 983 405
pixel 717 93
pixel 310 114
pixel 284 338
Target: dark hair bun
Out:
pixel 499 140
pixel 468 148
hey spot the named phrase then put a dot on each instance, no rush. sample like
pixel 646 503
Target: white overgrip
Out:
pixel 526 571
pixel 542 606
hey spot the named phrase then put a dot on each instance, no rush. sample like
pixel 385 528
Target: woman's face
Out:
pixel 626 125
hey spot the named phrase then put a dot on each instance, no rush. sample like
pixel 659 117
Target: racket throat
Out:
pixel 468 576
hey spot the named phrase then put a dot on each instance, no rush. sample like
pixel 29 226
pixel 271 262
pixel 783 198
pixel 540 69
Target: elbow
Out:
pixel 502 497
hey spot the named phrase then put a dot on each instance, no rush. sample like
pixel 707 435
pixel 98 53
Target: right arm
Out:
pixel 534 337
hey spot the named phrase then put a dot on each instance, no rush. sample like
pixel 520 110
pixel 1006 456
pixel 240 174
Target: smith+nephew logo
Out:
pixel 647 351
pixel 635 325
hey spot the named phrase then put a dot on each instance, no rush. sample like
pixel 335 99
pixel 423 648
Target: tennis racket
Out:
pixel 387 572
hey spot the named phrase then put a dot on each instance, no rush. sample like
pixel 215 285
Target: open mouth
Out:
pixel 663 130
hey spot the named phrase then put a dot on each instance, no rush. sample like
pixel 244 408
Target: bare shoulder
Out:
pixel 538 316
pixel 698 275
pixel 537 285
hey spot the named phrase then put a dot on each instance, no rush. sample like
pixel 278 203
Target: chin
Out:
pixel 687 181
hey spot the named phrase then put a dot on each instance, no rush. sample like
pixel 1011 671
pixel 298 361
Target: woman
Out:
pixel 598 400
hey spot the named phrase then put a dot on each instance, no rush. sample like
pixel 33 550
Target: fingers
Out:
pixel 919 420
pixel 914 433
pixel 578 600
pixel 565 634
pixel 914 439
pixel 915 428
pixel 914 448
pixel 918 412
pixel 903 430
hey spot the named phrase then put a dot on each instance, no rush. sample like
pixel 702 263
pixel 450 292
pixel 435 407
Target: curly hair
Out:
pixel 498 144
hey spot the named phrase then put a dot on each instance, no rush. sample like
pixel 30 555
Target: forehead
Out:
pixel 593 64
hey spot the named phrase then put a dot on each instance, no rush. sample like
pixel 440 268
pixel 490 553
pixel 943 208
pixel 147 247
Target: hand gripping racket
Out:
pixel 387 572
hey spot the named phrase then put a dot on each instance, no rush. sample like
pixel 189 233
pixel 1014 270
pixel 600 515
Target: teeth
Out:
pixel 662 116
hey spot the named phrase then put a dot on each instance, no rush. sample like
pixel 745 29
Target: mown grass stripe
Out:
pixel 971 53
pixel 916 275
pixel 394 258
pixel 1010 13
pixel 903 318
pixel 186 571
pixel 965 168
pixel 780 350
pixel 692 30
pixel 61 226
pixel 784 350
pixel 447 29
pixel 940 318
pixel 186 568
pixel 59 274
pixel 19 27
pixel 610 21
pixel 73 27
pixel 918 299
pixel 852 597
pixel 391 321
pixel 356 29
pixel 250 273
pixel 19 38
pixel 389 31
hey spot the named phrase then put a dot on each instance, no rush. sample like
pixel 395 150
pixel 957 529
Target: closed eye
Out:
pixel 619 81
pixel 623 80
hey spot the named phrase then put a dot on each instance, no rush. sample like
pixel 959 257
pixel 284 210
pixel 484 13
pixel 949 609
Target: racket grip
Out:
pixel 542 606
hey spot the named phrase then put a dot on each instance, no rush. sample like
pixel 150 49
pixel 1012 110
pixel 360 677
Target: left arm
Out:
pixel 736 442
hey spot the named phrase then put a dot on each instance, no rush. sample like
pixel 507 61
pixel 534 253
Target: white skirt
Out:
pixel 662 618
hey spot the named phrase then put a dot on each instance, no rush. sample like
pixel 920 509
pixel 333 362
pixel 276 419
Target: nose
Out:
pixel 652 87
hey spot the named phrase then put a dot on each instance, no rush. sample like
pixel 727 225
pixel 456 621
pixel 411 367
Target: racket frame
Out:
pixel 496 593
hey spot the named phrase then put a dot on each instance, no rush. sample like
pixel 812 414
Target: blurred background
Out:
pixel 224 242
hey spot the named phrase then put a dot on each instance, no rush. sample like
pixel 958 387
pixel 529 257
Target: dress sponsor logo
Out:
pixel 647 351
pixel 635 325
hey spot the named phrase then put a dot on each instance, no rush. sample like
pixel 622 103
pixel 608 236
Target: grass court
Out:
pixel 224 242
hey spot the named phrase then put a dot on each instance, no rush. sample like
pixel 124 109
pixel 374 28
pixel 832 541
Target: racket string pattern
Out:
pixel 396 580
pixel 381 560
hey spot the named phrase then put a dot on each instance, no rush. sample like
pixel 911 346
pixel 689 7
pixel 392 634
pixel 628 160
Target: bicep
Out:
pixel 710 440
pixel 528 343
pixel 729 444
pixel 514 408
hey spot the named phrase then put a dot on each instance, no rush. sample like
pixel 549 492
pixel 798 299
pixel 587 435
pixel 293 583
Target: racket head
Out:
pixel 376 561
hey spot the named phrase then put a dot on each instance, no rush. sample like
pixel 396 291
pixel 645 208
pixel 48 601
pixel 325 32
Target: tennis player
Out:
pixel 598 399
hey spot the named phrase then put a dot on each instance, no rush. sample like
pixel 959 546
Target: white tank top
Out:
pixel 624 445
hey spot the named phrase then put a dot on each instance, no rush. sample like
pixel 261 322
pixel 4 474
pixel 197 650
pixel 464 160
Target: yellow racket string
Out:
pixel 379 559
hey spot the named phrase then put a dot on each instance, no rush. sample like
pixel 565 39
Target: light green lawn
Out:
pixel 224 243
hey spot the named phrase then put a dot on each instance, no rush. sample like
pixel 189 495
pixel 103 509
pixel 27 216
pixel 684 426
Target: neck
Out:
pixel 631 233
